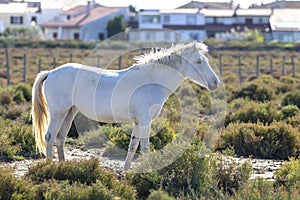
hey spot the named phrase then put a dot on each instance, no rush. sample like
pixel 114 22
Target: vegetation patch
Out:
pixel 275 141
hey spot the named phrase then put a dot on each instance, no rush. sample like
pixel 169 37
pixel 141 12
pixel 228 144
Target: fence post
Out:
pixel 240 69
pixel 271 66
pixel 293 66
pixel 71 57
pixel 282 66
pixel 54 62
pixel 257 66
pixel 98 59
pixel 120 62
pixel 25 66
pixel 220 65
pixel 39 65
pixel 7 66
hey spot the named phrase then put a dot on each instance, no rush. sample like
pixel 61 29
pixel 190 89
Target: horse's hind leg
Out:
pixel 52 131
pixel 62 134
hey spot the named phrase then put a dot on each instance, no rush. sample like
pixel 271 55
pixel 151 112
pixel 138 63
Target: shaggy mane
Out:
pixel 154 55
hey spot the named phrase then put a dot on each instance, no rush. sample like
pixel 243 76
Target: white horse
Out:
pixel 134 94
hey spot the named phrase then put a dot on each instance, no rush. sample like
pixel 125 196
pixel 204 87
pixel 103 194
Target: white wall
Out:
pixel 286 36
pixel 181 19
pixel 158 35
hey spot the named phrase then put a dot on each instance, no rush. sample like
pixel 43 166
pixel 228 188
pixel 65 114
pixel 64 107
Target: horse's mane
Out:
pixel 156 55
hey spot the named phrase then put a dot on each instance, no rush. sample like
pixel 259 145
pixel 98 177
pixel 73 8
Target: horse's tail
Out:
pixel 39 112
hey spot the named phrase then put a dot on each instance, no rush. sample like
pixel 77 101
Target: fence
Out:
pixel 236 65
pixel 258 67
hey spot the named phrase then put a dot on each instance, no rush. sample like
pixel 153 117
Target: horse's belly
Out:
pixel 100 106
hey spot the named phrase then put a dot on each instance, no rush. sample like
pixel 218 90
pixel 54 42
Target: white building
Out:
pixel 86 22
pixel 222 23
pixel 285 25
pixel 25 14
pixel 169 26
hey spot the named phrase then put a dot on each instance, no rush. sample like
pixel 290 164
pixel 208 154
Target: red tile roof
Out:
pixel 95 13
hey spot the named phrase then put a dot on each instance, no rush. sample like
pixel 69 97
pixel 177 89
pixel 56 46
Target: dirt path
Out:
pixel 260 167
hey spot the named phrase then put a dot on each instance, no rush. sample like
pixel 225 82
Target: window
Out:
pixel 76 36
pixel 151 19
pixel 166 18
pixel 33 20
pixel 167 36
pixel 249 20
pixel 191 20
pixel 194 36
pixel 16 20
pixel 150 36
pixel 101 36
pixel 215 20
pixel 68 17
pixel 54 35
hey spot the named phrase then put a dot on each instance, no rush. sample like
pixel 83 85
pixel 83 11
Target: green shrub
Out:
pixel 159 195
pixel 119 136
pixel 289 111
pixel 145 182
pixel 294 121
pixel 288 174
pixel 83 179
pixel 24 90
pixel 7 150
pixel 94 139
pixel 191 176
pixel 276 141
pixel 291 98
pixel 6 98
pixel 16 140
pixel 14 188
pixel 64 191
pixel 85 171
pixel 161 133
pixel 263 190
pixel 252 112
pixel 256 91
pixel 13 112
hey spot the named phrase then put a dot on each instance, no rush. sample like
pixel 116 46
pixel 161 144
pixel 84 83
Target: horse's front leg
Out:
pixel 145 145
pixel 139 134
pixel 134 143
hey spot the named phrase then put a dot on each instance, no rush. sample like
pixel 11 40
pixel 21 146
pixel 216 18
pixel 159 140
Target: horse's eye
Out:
pixel 199 61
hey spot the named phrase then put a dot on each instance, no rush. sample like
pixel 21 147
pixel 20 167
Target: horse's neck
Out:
pixel 167 76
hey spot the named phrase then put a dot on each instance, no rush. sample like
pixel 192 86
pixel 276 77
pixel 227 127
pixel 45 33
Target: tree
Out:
pixel 115 26
pixel 132 9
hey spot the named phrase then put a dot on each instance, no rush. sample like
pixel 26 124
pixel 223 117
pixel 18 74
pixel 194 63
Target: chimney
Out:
pixel 88 8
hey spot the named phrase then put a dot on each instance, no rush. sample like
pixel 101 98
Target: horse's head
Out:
pixel 196 66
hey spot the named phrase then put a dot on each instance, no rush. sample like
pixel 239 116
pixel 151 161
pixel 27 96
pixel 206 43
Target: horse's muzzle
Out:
pixel 214 84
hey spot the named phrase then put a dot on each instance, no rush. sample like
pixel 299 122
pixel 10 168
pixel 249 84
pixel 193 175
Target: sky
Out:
pixel 149 4
pixel 170 4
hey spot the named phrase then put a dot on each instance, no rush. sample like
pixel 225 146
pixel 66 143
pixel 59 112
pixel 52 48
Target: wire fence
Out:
pixel 227 64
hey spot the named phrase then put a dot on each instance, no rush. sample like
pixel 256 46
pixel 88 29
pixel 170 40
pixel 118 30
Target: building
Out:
pixel 15 14
pixel 24 13
pixel 169 25
pixel 221 23
pixel 208 5
pixel 279 4
pixel 285 25
pixel 86 22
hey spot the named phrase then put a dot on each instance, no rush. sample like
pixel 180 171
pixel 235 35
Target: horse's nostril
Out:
pixel 216 82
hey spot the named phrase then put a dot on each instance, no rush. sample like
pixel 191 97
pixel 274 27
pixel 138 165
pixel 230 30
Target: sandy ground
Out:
pixel 260 167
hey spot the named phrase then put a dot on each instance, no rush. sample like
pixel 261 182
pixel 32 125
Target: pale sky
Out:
pixel 149 4
pixel 170 4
